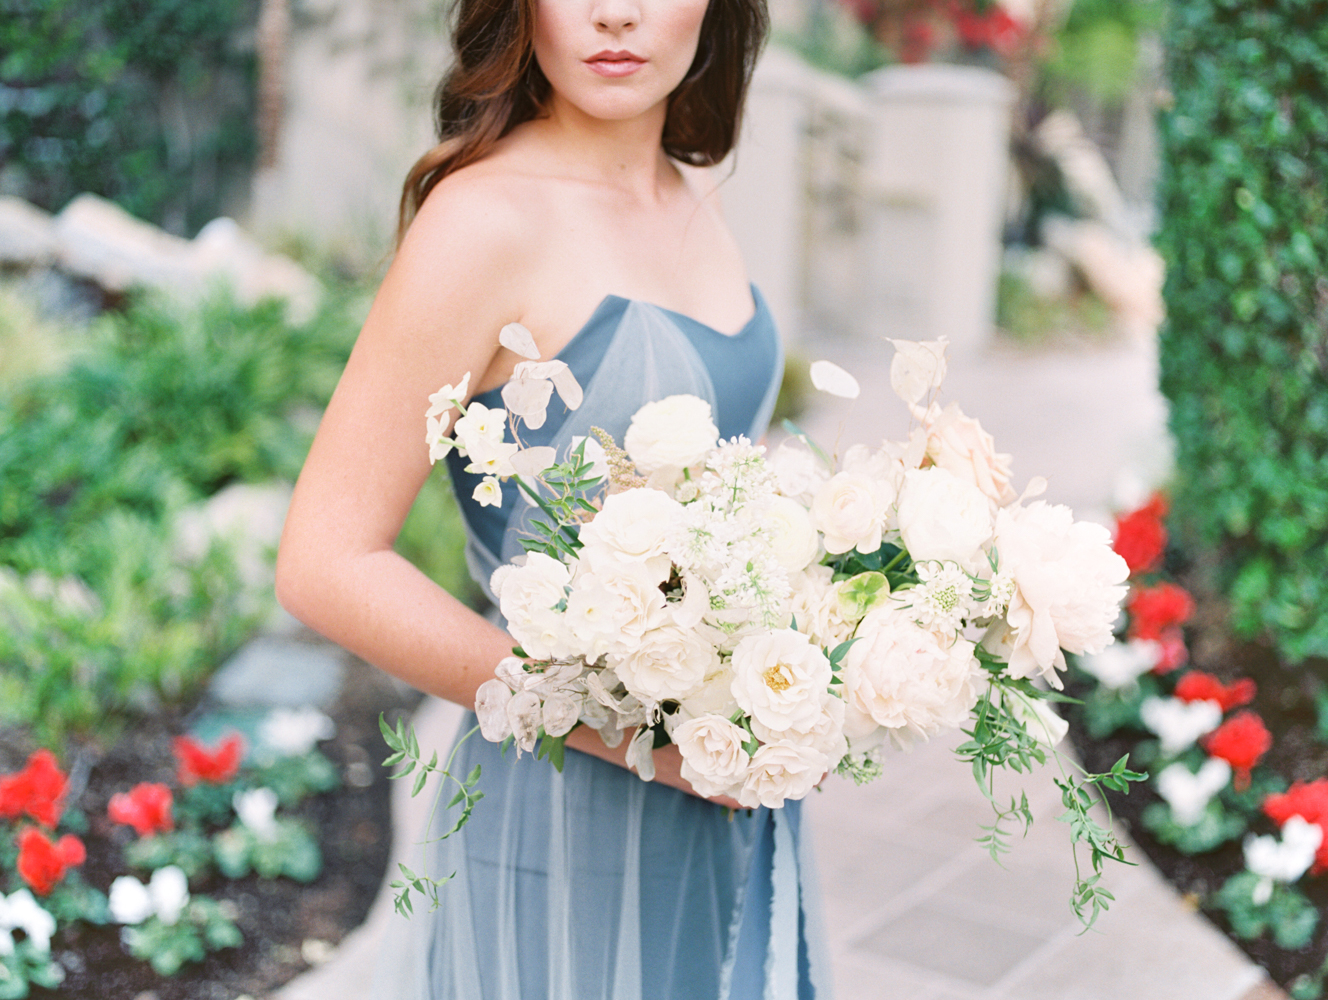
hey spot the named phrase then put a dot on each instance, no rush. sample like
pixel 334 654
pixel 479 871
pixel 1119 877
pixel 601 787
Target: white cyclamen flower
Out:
pixel 129 901
pixel 169 890
pixel 295 731
pixel 633 526
pixel 791 533
pixel 1178 724
pixel 491 700
pixel 780 678
pixel 1187 793
pixel 943 518
pixel 257 811
pixel 526 596
pixel 904 677
pixel 781 771
pixel 713 758
pixel 1122 663
pixel 942 599
pixel 1282 862
pixel 668 663
pixel 21 912
pixel 851 510
pixel 673 433
pixel 1068 587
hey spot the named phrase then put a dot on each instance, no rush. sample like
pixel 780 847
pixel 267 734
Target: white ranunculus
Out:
pixel 1122 663
pixel 561 712
pixel 669 663
pixel 526 596
pixel 129 901
pixel 825 735
pixel 673 433
pixel 1188 793
pixel 1179 724
pixel 714 760
pixel 798 472
pixel 1042 721
pixel 943 518
pixel 633 526
pixel 525 715
pixel 169 890
pixel 816 609
pixel 491 700
pixel 793 539
pixel 958 444
pixel 295 731
pixel 850 510
pixel 22 912
pixel 257 810
pixel 780 678
pixel 781 771
pixel 904 677
pixel 1068 586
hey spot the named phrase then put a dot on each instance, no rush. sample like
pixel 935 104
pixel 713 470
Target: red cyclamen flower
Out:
pixel 1241 741
pixel 1199 686
pixel 214 767
pixel 1309 801
pixel 38 790
pixel 43 864
pixel 146 807
pixel 1141 537
pixel 1153 610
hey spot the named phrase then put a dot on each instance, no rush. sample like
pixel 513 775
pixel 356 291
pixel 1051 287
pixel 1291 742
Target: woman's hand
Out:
pixel 668 762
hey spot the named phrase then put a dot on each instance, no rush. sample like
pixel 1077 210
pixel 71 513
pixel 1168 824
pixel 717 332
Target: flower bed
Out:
pixel 1236 813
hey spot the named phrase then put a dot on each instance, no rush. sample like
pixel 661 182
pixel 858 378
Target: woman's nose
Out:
pixel 616 15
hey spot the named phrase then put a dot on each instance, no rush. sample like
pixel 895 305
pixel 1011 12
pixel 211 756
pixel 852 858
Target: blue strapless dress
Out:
pixel 592 884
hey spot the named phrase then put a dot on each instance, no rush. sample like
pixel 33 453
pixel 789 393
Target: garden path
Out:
pixel 914 909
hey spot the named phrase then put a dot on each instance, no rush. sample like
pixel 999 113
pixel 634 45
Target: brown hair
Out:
pixel 496 84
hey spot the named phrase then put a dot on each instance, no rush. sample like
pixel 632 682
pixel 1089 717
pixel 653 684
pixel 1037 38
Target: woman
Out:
pixel 556 195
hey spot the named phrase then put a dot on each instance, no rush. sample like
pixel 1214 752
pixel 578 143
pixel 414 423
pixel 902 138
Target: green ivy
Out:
pixel 1244 353
pixel 147 102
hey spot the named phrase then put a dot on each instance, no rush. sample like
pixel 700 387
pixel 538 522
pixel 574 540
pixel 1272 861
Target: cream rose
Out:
pixel 526 596
pixel 633 526
pixel 850 510
pixel 713 758
pixel 714 696
pixel 959 445
pixel 780 678
pixel 901 676
pixel 825 735
pixel 781 771
pixel 1068 587
pixel 611 607
pixel 668 663
pixel 943 518
pixel 673 433
pixel 815 605
pixel 793 539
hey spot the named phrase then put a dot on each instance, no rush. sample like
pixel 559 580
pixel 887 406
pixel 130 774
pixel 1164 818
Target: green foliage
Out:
pixel 834 41
pixel 290 850
pixel 1244 359
pixel 1286 912
pixel 1031 319
pixel 1213 829
pixel 203 927
pixel 147 102
pixel 188 850
pixel 1097 49
pixel 297 777
pixel 26 967
pixel 1108 710
pixel 1310 985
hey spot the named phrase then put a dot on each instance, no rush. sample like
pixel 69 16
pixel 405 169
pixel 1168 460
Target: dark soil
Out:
pixel 1286 703
pixel 276 916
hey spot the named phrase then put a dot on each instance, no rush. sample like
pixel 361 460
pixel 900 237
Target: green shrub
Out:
pixel 1244 353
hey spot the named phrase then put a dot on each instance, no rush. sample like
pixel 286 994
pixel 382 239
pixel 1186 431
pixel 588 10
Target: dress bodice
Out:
pixel 627 354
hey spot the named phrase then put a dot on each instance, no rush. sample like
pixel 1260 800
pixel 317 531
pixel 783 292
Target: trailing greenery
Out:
pixel 1244 355
pixel 147 102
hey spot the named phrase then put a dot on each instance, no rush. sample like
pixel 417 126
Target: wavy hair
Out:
pixel 496 85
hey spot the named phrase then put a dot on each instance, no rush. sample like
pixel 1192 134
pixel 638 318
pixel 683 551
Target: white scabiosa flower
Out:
pixel 779 678
pixel 942 599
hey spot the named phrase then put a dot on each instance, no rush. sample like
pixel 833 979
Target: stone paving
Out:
pixel 914 909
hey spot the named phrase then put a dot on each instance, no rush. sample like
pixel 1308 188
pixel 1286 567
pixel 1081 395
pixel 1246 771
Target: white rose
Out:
pixel 673 433
pixel 959 445
pixel 850 510
pixel 561 712
pixel 491 700
pixel 669 663
pixel 526 596
pixel 816 609
pixel 826 734
pixel 943 518
pixel 780 678
pixel 633 526
pixel 714 696
pixel 129 901
pixel 612 607
pixel 1068 586
pixel 792 535
pixel 712 754
pixel 901 676
pixel 797 471
pixel 781 771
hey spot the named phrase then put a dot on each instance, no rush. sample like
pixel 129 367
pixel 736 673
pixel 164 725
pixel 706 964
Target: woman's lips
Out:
pixel 615 63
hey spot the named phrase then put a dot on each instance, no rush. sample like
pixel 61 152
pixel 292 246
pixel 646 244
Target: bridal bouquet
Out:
pixel 779 616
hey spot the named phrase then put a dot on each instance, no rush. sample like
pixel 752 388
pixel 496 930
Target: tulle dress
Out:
pixel 592 884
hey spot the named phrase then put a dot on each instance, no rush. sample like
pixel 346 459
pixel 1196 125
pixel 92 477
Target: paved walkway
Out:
pixel 915 910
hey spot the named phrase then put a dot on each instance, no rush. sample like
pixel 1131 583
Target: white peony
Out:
pixel 526 596
pixel 781 771
pixel 942 518
pixel 1068 587
pixel 1188 793
pixel 780 678
pixel 714 760
pixel 1179 724
pixel 668 663
pixel 673 433
pixel 851 510
pixel 491 700
pixel 959 445
pixel 903 677
pixel 817 609
pixel 633 526
pixel 793 539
